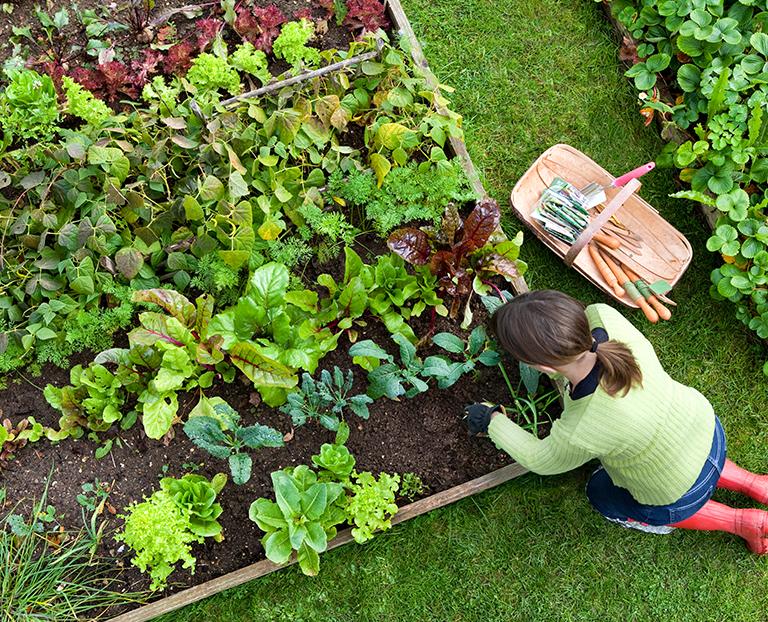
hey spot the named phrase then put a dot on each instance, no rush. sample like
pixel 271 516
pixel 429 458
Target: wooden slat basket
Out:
pixel 662 252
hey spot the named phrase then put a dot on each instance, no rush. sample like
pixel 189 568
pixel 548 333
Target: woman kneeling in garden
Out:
pixel 661 447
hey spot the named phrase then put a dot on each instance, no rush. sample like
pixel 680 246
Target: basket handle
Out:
pixel 614 204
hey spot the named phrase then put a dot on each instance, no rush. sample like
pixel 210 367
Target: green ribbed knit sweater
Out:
pixel 653 441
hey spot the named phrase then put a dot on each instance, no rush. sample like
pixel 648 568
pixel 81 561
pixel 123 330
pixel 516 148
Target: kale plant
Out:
pixel 325 399
pixel 214 426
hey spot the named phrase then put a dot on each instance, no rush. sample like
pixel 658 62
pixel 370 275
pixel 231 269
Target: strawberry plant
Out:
pixel 712 58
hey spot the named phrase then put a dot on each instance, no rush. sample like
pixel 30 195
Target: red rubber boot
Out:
pixel 751 484
pixel 752 525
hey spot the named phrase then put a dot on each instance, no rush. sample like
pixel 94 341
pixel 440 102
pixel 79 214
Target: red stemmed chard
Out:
pixel 461 253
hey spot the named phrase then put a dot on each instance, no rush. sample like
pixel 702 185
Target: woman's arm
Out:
pixel 548 456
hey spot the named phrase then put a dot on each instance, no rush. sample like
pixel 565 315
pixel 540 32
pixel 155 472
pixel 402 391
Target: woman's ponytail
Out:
pixel 550 328
pixel 620 371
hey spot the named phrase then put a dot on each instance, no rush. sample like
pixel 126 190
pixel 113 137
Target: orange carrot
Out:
pixel 605 271
pixel 632 291
pixel 662 311
pixel 607 240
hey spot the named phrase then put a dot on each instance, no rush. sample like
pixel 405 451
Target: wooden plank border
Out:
pixel 265 567
pixel 404 29
pixel 438 500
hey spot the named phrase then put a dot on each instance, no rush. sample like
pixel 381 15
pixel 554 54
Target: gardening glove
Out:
pixel 477 416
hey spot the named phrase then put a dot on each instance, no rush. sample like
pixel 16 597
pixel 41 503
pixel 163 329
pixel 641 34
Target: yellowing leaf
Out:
pixel 381 166
pixel 269 229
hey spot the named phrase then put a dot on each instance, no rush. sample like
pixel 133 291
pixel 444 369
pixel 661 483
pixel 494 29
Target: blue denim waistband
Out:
pixel 617 503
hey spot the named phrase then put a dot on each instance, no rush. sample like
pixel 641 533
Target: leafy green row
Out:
pixel 718 53
pixel 149 197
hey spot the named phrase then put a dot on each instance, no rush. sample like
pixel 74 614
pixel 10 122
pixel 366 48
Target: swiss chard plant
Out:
pixel 272 332
pixel 461 253
pixel 214 426
pixel 386 289
pixel 325 400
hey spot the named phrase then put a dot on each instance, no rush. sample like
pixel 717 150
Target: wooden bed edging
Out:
pixel 441 499
pixel 265 567
pixel 403 27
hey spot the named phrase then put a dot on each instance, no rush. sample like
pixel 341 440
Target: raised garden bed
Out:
pixel 423 435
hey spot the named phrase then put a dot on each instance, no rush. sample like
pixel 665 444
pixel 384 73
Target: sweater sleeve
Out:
pixel 548 456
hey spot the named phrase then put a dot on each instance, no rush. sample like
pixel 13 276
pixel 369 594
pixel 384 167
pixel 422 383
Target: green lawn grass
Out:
pixel 528 74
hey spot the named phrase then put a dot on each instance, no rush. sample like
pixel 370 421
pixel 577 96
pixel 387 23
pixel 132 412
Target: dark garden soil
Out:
pixel 424 435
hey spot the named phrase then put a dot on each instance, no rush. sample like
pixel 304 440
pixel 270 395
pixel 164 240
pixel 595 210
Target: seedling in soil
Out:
pixel 411 486
pixel 214 426
pixel 389 378
pixel 325 400
pixel 475 350
pixel 92 495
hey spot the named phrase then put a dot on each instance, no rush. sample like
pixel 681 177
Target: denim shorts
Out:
pixel 617 503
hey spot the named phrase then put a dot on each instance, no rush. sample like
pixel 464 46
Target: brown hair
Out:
pixel 547 327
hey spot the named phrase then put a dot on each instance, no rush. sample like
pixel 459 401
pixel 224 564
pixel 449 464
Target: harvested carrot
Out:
pixel 607 240
pixel 632 291
pixel 661 310
pixel 605 271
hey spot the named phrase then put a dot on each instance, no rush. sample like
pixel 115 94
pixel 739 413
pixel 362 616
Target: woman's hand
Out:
pixel 478 416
